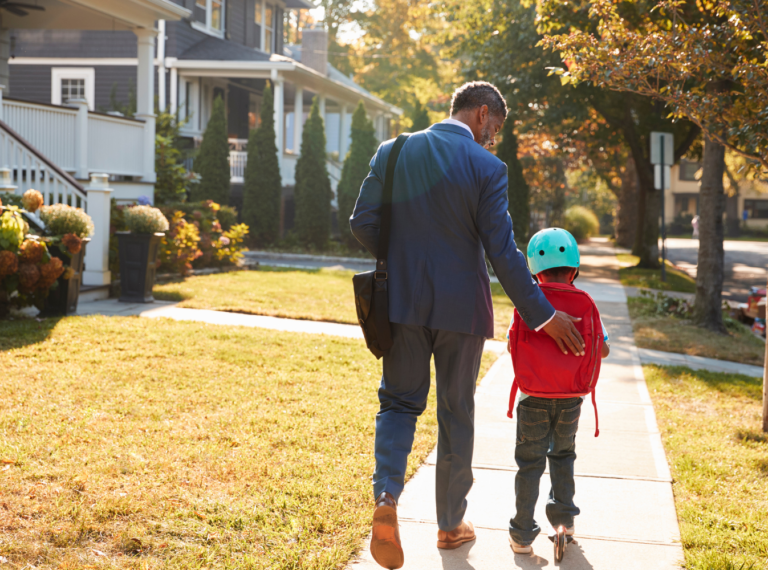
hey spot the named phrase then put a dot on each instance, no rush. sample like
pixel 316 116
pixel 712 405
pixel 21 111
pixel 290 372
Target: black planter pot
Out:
pixel 63 299
pixel 138 264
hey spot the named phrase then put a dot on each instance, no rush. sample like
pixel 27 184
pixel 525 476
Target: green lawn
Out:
pixel 710 425
pixel 318 295
pixel 138 443
pixel 673 334
pixel 631 276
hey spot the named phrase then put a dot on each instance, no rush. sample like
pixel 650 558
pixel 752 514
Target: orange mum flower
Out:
pixel 72 243
pixel 32 200
pixel 9 263
pixel 49 273
pixel 31 251
pixel 29 275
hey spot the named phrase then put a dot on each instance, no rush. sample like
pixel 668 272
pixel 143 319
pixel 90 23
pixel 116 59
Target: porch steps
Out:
pixel 90 293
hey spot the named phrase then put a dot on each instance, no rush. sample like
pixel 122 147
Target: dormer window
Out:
pixel 209 16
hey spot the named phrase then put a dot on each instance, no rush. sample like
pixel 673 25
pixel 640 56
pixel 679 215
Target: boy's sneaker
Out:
pixel 519 548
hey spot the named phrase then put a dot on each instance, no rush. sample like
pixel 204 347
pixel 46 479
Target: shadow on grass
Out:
pixel 22 332
pixel 739 385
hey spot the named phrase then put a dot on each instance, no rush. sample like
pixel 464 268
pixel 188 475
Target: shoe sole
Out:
pixel 452 545
pixel 385 542
pixel 520 549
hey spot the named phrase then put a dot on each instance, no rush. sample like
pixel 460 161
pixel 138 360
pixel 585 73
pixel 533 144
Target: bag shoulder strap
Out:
pixel 386 204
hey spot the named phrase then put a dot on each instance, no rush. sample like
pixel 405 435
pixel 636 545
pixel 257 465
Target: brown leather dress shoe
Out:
pixel 465 532
pixel 385 537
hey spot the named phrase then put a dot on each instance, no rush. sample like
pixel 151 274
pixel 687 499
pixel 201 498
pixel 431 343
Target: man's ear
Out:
pixel 483 114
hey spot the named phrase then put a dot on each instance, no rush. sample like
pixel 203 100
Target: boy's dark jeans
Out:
pixel 546 428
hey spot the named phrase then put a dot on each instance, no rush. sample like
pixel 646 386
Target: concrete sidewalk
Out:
pixel 623 485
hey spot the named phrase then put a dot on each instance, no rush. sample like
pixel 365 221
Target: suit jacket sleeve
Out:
pixel 366 217
pixel 495 227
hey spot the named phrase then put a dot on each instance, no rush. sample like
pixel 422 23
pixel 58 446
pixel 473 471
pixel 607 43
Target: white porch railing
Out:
pixel 22 166
pixel 77 140
pixel 29 168
pixel 237 162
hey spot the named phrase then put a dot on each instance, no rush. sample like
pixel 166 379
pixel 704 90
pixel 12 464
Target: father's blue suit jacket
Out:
pixel 449 206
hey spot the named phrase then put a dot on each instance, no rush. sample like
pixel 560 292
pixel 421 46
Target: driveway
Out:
pixel 745 264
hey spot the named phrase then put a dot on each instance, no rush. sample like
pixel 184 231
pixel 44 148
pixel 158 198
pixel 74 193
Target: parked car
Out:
pixel 754 308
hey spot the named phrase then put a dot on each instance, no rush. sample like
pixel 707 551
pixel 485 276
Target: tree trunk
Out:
pixel 648 209
pixel 626 209
pixel 708 311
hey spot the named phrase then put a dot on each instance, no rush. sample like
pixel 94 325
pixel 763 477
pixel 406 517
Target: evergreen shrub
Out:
pixel 581 222
pixel 518 190
pixel 262 186
pixel 212 162
pixel 312 193
pixel 356 167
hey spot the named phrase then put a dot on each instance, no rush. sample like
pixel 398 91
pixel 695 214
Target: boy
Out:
pixel 546 427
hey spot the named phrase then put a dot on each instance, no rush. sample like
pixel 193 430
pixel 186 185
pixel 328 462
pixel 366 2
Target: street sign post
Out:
pixel 662 158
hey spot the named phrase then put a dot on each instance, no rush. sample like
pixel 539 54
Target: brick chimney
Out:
pixel 314 48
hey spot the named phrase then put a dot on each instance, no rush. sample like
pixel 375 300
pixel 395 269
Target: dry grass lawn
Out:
pixel 631 276
pixel 710 425
pixel 309 294
pixel 672 334
pixel 143 444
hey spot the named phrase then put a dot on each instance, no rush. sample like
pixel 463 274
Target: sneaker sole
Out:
pixel 520 549
pixel 385 540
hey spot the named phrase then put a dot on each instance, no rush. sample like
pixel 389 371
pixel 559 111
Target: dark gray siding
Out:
pixel 236 21
pixel 237 113
pixel 279 31
pixel 74 43
pixel 33 83
pixel 181 37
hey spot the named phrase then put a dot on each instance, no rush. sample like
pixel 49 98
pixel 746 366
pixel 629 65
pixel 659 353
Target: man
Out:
pixel 449 210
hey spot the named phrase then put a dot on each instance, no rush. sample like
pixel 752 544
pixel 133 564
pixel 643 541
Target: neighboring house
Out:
pixel 682 198
pixel 226 48
pixel 51 136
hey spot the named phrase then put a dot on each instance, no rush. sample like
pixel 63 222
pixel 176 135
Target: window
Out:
pixel 69 83
pixel 688 170
pixel 187 100
pixel 686 205
pixel 269 28
pixel 210 16
pixel 756 209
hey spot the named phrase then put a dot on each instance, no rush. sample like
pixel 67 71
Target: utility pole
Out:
pixel 662 158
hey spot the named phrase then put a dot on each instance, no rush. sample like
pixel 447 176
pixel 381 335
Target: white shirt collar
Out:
pixel 456 123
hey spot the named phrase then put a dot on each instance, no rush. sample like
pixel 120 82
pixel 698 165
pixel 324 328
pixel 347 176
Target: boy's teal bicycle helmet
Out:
pixel 553 247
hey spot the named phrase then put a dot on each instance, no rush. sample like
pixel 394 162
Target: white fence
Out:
pixel 76 140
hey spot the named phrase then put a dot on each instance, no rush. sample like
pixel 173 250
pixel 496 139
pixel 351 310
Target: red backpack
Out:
pixel 541 368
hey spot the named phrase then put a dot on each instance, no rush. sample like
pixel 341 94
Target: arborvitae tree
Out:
pixel 212 162
pixel 356 167
pixel 420 118
pixel 312 193
pixel 262 187
pixel 171 185
pixel 518 190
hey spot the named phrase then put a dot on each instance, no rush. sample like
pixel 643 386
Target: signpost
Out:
pixel 662 158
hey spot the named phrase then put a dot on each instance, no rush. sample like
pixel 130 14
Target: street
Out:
pixel 745 264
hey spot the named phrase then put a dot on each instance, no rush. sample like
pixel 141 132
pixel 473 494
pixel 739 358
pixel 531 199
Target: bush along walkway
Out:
pixel 623 484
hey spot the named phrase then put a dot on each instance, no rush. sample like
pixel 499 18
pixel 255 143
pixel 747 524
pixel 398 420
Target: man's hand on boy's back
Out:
pixel 566 336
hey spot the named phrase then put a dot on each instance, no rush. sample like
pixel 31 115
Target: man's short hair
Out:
pixel 476 94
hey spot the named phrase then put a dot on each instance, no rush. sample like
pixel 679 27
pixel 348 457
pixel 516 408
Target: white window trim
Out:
pixel 86 73
pixel 206 28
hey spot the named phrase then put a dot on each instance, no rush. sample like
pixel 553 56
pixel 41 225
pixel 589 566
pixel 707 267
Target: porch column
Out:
pixel 81 138
pixel 97 251
pixel 161 102
pixel 175 91
pixel 343 132
pixel 145 95
pixel 5 55
pixel 298 119
pixel 321 102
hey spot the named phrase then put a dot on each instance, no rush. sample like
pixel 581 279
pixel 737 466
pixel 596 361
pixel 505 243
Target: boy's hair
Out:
pixel 559 272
